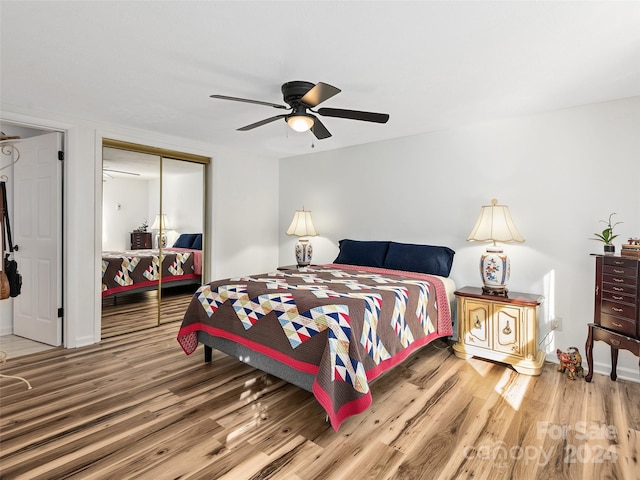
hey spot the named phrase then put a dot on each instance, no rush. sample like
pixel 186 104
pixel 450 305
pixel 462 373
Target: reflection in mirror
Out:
pixel 129 193
pixel 133 242
pixel 182 190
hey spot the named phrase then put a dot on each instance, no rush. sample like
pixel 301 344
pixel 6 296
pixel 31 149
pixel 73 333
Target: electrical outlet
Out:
pixel 556 324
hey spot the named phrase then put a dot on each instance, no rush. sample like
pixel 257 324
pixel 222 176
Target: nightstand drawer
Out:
pixel 620 325
pixel 619 309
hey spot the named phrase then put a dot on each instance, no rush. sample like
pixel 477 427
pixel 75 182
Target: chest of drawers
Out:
pixel 140 240
pixel 616 309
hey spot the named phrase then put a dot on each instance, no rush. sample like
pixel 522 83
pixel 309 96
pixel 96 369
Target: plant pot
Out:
pixel 609 249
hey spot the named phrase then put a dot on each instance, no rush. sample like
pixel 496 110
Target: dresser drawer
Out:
pixel 619 280
pixel 618 309
pixel 620 262
pixel 621 325
pixel 617 341
pixel 620 296
pixel 620 271
pixel 619 289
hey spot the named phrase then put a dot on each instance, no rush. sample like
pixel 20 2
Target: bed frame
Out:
pixel 255 359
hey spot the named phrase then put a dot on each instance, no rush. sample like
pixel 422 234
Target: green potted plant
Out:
pixel 607 236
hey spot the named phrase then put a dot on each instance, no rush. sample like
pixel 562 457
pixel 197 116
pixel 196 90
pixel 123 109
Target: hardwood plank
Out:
pixel 134 406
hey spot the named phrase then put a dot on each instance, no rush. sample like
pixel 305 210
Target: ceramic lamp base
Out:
pixel 495 269
pixel 161 240
pixel 304 252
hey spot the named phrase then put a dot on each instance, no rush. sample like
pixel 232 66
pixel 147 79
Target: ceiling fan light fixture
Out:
pixel 300 123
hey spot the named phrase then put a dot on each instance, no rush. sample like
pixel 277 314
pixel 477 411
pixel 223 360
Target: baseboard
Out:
pixel 630 374
pixel 6 331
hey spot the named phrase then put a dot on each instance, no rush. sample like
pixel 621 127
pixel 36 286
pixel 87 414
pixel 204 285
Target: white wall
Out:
pixel 559 173
pixel 124 207
pixel 247 215
pixel 182 201
pixel 242 214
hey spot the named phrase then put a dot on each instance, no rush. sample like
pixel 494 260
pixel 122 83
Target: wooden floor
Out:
pixel 135 406
pixel 139 311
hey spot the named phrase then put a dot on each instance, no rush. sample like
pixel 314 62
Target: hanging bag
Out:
pixel 5 288
pixel 10 270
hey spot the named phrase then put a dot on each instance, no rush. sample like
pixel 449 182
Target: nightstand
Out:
pixel 501 328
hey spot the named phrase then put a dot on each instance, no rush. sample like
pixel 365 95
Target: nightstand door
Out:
pixel 476 328
pixel 507 329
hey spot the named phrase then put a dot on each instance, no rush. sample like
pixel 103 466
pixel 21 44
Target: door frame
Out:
pixel 108 140
pixel 46 127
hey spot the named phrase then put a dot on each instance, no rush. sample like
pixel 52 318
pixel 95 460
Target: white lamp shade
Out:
pixel 495 225
pixel 157 223
pixel 302 225
pixel 300 123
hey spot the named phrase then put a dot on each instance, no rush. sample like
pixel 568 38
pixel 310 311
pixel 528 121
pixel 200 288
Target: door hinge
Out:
pixel 60 155
pixel 60 312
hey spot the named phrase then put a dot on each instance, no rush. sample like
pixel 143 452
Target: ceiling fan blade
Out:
pixel 262 122
pixel 354 115
pixel 246 100
pixel 319 130
pixel 319 93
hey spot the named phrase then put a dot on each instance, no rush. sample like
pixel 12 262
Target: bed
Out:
pixel 131 271
pixel 330 329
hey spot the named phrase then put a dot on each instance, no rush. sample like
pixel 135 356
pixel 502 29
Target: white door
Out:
pixel 37 230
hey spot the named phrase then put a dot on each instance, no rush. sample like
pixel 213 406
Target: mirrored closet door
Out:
pixel 152 235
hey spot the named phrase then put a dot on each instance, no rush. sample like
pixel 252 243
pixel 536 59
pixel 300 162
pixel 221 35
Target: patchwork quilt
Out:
pixel 135 269
pixel 344 325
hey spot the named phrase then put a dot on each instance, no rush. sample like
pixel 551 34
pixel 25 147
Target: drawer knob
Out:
pixel 477 323
pixel 618 289
pixel 616 297
pixel 617 324
pixel 507 330
pixel 619 310
pixel 618 271
pixel 618 280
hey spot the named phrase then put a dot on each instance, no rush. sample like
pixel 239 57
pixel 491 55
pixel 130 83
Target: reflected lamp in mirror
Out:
pixel 495 225
pixel 161 222
pixel 302 226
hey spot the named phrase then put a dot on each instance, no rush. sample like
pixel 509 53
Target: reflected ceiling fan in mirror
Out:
pixel 301 98
pixel 107 173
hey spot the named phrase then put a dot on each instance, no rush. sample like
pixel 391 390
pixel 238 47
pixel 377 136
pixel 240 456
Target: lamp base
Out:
pixel 161 240
pixel 304 252
pixel 494 291
pixel 495 269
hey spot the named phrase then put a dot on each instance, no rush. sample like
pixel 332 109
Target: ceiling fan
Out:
pixel 107 171
pixel 301 98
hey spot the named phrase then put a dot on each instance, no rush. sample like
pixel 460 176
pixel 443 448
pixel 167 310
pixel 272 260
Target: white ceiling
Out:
pixel 431 65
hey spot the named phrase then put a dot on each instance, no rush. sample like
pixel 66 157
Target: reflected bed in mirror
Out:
pixel 141 270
